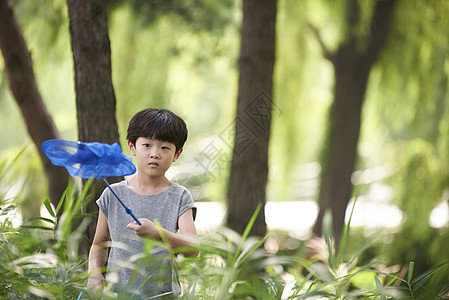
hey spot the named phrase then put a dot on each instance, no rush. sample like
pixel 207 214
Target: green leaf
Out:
pixel 389 275
pixel 14 161
pixel 37 227
pixel 421 279
pixel 251 222
pixel 305 281
pixel 249 250
pixel 61 201
pixel 313 294
pixel 328 237
pixel 322 272
pixel 41 219
pixel 411 266
pixel 368 242
pixel 247 230
pixel 379 288
pixel 345 233
pixel 49 208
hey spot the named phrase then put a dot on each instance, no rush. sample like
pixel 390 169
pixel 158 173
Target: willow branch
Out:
pixel 327 54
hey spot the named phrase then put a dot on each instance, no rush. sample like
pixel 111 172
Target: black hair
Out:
pixel 160 124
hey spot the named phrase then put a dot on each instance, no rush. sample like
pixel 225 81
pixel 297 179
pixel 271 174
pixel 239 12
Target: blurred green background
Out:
pixel 185 60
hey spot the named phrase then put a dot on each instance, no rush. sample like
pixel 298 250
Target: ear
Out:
pixel 132 148
pixel 177 154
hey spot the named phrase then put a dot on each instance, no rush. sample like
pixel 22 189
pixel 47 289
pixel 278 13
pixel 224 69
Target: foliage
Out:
pixel 342 275
pixel 201 15
pixel 413 79
pixel 231 266
pixel 335 274
pixel 39 260
pixel 166 61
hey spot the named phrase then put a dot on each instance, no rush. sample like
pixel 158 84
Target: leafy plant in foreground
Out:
pixel 39 260
pixel 341 277
pixel 231 266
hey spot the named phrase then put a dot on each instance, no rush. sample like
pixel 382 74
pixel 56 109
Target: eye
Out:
pixel 146 145
pixel 165 148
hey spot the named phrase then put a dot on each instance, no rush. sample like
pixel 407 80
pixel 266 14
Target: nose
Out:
pixel 154 153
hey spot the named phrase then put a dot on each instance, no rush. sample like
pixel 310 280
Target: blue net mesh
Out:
pixel 88 160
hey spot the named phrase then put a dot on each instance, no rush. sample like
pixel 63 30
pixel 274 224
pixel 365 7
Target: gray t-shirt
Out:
pixel 130 263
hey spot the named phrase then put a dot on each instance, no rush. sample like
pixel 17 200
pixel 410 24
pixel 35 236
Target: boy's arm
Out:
pixel 98 252
pixel 187 233
pixel 186 238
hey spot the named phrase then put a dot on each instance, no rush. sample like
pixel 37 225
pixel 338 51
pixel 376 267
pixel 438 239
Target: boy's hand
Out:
pixel 95 281
pixel 147 229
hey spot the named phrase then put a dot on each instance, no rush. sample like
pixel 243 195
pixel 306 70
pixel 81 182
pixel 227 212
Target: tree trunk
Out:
pixel 352 68
pixel 249 167
pixel 336 187
pixel 95 98
pixel 19 69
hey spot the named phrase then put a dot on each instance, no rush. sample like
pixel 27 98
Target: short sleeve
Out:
pixel 103 202
pixel 186 204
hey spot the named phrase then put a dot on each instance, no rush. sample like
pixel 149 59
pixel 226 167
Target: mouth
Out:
pixel 153 164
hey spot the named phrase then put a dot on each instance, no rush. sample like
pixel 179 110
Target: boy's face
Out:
pixel 153 156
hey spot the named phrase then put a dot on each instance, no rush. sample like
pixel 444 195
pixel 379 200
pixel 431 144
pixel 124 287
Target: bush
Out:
pixel 40 260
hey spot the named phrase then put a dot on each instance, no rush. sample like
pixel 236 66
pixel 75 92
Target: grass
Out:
pixel 39 260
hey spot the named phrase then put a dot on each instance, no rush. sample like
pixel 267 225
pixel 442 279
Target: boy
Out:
pixel 156 138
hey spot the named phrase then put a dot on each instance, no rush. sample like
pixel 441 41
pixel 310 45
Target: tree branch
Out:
pixel 327 54
pixel 381 24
